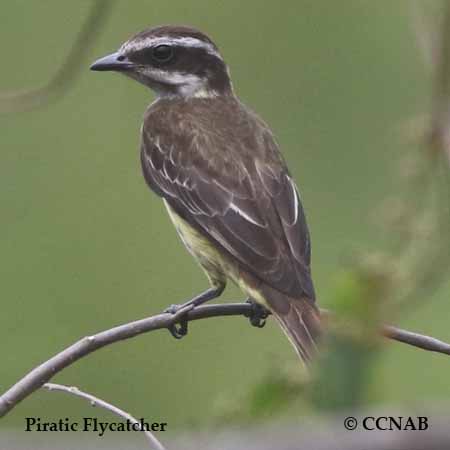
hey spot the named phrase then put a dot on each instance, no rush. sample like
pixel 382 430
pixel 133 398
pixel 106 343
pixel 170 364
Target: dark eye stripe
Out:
pixel 152 56
pixel 162 53
pixel 180 57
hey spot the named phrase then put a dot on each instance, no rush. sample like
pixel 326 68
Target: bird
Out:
pixel 224 182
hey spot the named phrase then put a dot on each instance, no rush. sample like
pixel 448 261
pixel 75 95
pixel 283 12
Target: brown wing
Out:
pixel 249 206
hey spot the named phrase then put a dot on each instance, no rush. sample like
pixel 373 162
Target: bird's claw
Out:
pixel 258 314
pixel 180 329
pixel 172 309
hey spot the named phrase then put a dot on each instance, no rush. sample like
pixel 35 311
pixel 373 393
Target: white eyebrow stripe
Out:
pixel 164 40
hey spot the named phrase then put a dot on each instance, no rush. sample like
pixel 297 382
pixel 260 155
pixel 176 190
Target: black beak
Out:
pixel 113 62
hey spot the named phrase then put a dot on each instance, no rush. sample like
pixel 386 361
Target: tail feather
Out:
pixel 300 320
pixel 301 324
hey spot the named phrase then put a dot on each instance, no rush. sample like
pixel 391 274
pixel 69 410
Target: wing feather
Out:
pixel 250 209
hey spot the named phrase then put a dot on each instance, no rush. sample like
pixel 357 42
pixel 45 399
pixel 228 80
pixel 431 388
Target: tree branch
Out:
pixel 422 341
pixel 94 401
pixel 40 375
pixel 25 100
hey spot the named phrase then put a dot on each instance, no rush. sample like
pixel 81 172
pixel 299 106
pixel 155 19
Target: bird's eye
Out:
pixel 162 53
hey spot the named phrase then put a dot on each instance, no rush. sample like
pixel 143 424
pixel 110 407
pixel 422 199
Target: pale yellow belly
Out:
pixel 209 258
pixel 217 266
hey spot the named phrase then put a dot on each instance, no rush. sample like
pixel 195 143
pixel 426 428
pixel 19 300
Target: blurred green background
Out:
pixel 85 245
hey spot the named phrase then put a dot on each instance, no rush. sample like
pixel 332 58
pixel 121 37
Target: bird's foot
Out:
pixel 180 329
pixel 258 314
pixel 172 309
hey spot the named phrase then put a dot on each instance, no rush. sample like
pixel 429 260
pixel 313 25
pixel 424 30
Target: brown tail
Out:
pixel 300 321
pixel 302 327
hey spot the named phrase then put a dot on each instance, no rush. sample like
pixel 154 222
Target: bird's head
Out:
pixel 173 61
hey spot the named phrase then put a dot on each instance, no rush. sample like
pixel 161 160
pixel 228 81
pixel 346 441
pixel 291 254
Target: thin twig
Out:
pixel 422 341
pixel 40 375
pixel 95 401
pixel 25 100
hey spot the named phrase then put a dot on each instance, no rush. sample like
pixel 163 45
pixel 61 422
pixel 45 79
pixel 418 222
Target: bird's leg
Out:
pixel 258 315
pixel 198 300
pixel 179 330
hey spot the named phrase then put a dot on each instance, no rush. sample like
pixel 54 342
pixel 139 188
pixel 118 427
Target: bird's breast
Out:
pixel 217 265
